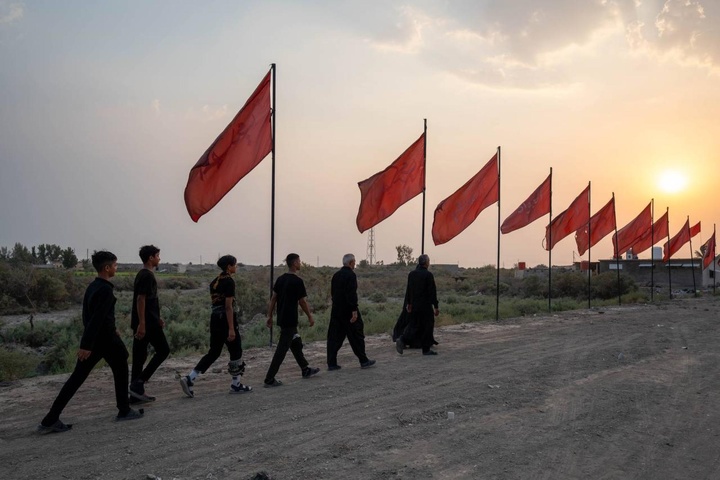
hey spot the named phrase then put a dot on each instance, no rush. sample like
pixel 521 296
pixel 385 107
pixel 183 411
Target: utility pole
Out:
pixel 370 253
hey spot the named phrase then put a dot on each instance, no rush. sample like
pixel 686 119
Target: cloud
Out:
pixel 10 12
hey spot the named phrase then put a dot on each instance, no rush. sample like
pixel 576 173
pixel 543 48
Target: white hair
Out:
pixel 347 258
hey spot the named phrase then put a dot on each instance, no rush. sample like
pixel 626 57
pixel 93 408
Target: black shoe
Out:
pixel 57 427
pixel 399 345
pixel 275 383
pixel 136 399
pixel 430 352
pixel 240 388
pixel 367 364
pixel 187 385
pixel 310 371
pixel 333 367
pixel 130 415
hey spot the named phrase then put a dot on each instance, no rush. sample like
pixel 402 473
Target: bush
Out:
pixel 15 364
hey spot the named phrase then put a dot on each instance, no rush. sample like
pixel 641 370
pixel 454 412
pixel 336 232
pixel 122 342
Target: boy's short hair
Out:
pixel 101 259
pixel 148 251
pixel 226 261
pixel 291 258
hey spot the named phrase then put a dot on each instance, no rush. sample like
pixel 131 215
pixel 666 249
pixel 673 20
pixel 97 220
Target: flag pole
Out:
pixel 668 267
pixel 617 256
pixel 550 250
pixel 272 202
pixel 692 261
pixel 652 260
pixel 422 241
pixel 497 282
pixel 589 241
pixel 713 259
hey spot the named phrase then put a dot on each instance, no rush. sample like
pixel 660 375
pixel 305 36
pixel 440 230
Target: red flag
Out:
pixel 709 251
pixel 536 205
pixel 680 239
pixel 386 191
pixel 630 233
pixel 658 233
pixel 695 230
pixel 235 152
pixel 459 210
pixel 569 221
pixel 601 224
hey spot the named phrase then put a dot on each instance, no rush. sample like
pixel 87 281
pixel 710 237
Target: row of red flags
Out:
pixel 244 143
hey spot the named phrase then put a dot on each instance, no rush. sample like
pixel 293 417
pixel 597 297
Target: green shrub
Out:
pixel 15 364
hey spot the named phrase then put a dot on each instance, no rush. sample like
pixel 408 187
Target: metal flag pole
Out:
pixel 617 256
pixel 549 239
pixel 652 260
pixel 497 282
pixel 589 273
pixel 692 261
pixel 273 117
pixel 422 235
pixel 713 258
pixel 668 267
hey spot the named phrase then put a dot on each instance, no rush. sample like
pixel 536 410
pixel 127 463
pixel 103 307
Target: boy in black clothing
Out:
pixel 288 292
pixel 100 340
pixel 224 330
pixel 147 326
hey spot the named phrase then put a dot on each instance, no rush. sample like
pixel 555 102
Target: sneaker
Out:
pixel 430 352
pixel 187 385
pixel 131 414
pixel 138 387
pixel 240 388
pixel 333 367
pixel 275 383
pixel 399 345
pixel 135 398
pixel 57 427
pixel 367 364
pixel 310 371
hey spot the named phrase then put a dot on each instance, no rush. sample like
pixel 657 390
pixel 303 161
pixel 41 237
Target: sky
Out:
pixel 106 106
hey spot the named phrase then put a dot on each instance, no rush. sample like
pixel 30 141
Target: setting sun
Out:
pixel 672 181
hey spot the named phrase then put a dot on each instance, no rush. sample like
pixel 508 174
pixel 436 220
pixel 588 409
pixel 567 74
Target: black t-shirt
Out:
pixel 222 287
pixel 145 284
pixel 289 289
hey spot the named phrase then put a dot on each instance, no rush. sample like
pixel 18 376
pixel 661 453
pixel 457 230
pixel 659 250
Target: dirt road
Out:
pixel 628 392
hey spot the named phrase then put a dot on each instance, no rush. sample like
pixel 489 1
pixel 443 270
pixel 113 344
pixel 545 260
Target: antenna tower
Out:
pixel 371 247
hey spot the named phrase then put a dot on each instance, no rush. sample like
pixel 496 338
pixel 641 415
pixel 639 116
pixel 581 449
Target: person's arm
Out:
pixel 271 307
pixel 352 298
pixel 229 315
pixel 433 295
pixel 408 297
pixel 306 308
pixel 140 304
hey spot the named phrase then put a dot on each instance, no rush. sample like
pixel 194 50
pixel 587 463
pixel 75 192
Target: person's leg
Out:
pixel 296 347
pixel 236 367
pixel 162 350
pixel 356 339
pixel 116 356
pixel 426 329
pixel 76 379
pixel 139 356
pixel 280 351
pixel 218 336
pixel 335 339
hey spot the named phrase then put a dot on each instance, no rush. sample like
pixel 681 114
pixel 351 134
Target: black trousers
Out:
pixel 154 336
pixel 338 330
pixel 285 343
pixel 113 351
pixel 218 338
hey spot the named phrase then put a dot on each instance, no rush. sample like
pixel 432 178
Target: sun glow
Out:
pixel 672 181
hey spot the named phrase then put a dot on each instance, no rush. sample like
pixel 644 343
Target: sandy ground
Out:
pixel 618 393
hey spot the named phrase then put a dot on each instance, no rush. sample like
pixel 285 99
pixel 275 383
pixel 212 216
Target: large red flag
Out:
pixel 459 210
pixel 601 224
pixel 386 191
pixel 694 230
pixel 624 239
pixel 676 242
pixel 235 152
pixel 569 221
pixel 536 205
pixel 658 233
pixel 709 251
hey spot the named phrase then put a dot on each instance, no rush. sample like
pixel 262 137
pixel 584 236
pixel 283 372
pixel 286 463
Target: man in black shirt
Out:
pixel 422 306
pixel 345 318
pixel 288 292
pixel 100 340
pixel 147 326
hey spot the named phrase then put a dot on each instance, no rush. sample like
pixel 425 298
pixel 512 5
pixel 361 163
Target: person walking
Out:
pixel 289 292
pixel 422 306
pixel 345 318
pixel 147 326
pixel 224 330
pixel 100 341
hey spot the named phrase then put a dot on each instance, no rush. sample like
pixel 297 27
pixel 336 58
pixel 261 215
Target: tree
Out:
pixel 21 254
pixel 69 259
pixel 404 255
